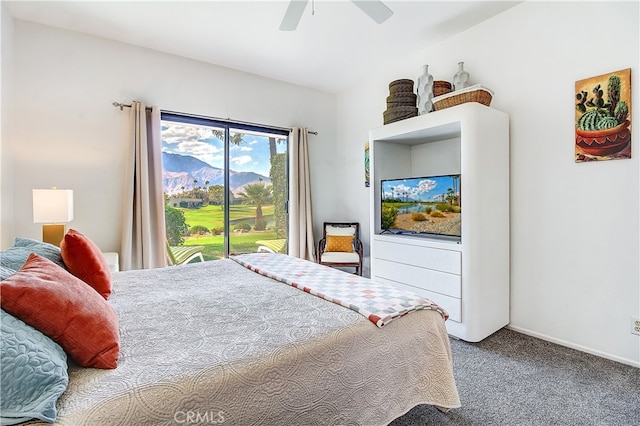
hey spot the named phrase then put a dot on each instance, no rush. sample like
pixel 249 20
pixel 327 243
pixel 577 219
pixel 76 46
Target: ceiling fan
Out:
pixel 376 10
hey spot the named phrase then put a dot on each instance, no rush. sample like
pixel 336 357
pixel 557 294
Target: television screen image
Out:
pixel 426 206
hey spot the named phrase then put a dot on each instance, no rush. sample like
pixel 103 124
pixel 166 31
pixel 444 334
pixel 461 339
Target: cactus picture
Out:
pixel 603 117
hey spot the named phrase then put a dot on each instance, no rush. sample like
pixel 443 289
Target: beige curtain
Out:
pixel 301 243
pixel 143 237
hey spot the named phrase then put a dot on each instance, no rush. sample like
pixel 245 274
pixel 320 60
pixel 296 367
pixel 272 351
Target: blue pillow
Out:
pixel 14 257
pixel 5 272
pixel 34 372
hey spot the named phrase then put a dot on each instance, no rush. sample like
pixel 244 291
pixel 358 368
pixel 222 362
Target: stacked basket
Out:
pixel 401 102
pixel 476 93
pixel 441 87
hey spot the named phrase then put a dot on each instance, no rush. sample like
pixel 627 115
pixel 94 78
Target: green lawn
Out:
pixel 212 217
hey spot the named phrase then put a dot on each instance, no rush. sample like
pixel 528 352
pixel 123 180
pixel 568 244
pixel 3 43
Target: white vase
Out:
pixel 425 91
pixel 461 78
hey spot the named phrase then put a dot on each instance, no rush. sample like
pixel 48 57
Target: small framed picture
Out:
pixel 366 164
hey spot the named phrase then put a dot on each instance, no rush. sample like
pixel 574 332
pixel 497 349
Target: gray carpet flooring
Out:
pixel 513 379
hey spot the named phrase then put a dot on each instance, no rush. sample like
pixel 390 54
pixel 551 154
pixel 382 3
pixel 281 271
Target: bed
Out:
pixel 219 343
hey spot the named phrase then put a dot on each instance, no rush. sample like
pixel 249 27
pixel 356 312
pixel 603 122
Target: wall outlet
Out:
pixel 635 326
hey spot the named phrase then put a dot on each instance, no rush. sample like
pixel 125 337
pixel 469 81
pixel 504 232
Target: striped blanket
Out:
pixel 380 303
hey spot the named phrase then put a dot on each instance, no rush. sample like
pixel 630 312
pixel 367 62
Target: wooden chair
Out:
pixel 178 255
pixel 340 246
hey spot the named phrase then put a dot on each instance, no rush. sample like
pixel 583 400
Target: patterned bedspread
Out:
pixel 215 343
pixel 380 303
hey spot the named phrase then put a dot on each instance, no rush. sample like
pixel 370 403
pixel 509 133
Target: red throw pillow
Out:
pixel 85 260
pixel 51 300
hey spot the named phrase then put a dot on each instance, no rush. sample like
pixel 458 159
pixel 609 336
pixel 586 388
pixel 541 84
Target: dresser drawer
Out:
pixel 450 304
pixel 427 257
pixel 427 279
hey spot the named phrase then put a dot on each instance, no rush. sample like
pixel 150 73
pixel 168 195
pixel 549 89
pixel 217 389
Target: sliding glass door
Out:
pixel 225 185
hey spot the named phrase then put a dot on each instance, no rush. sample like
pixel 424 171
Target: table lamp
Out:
pixel 54 208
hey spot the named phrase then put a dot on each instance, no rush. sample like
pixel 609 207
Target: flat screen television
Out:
pixel 426 206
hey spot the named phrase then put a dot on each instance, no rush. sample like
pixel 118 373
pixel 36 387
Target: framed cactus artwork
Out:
pixel 603 117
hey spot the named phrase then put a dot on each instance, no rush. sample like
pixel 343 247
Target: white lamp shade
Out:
pixel 52 205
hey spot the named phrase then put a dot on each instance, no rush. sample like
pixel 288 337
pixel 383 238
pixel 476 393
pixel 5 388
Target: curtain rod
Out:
pixel 122 106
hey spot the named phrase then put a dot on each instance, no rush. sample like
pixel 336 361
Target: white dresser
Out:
pixel 469 278
pixel 431 271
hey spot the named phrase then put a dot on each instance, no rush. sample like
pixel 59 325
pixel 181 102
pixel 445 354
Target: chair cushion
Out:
pixel 339 257
pixel 182 254
pixel 340 230
pixel 339 243
pixel 63 307
pixel 276 246
pixel 85 260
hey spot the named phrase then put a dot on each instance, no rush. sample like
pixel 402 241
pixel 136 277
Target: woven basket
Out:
pixel 399 113
pixel 470 94
pixel 388 119
pixel 441 87
pixel 402 99
pixel 401 86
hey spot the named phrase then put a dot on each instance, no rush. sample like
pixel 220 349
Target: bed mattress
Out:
pixel 215 343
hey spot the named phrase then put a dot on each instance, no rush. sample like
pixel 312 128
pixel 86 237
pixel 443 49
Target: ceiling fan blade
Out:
pixel 293 14
pixel 376 10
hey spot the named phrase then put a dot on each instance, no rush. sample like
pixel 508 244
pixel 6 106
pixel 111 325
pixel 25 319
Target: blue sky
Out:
pixel 252 155
pixel 418 189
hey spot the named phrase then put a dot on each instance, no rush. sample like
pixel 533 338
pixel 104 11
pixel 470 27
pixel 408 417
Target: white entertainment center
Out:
pixel 469 278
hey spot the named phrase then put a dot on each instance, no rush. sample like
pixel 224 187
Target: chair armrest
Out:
pixel 358 247
pixel 321 246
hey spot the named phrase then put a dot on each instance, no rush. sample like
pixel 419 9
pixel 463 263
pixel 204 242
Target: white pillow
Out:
pixel 340 230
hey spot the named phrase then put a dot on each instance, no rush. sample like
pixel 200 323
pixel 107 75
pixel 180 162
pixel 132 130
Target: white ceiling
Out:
pixel 328 51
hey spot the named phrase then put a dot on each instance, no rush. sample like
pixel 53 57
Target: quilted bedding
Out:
pixel 215 343
pixel 380 303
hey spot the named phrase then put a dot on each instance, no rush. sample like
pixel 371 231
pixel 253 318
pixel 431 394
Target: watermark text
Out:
pixel 191 417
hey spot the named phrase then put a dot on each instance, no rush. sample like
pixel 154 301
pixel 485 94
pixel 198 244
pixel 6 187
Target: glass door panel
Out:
pixel 193 172
pixel 257 191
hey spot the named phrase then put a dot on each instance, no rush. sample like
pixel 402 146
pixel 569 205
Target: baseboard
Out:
pixel 574 346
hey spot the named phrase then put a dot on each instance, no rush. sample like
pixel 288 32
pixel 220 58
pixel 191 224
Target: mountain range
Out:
pixel 180 171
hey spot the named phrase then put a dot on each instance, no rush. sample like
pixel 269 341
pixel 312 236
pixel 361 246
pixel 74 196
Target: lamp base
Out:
pixel 53 234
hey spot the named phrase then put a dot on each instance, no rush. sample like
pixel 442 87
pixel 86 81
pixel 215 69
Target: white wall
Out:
pixel 574 226
pixel 6 95
pixel 67 133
